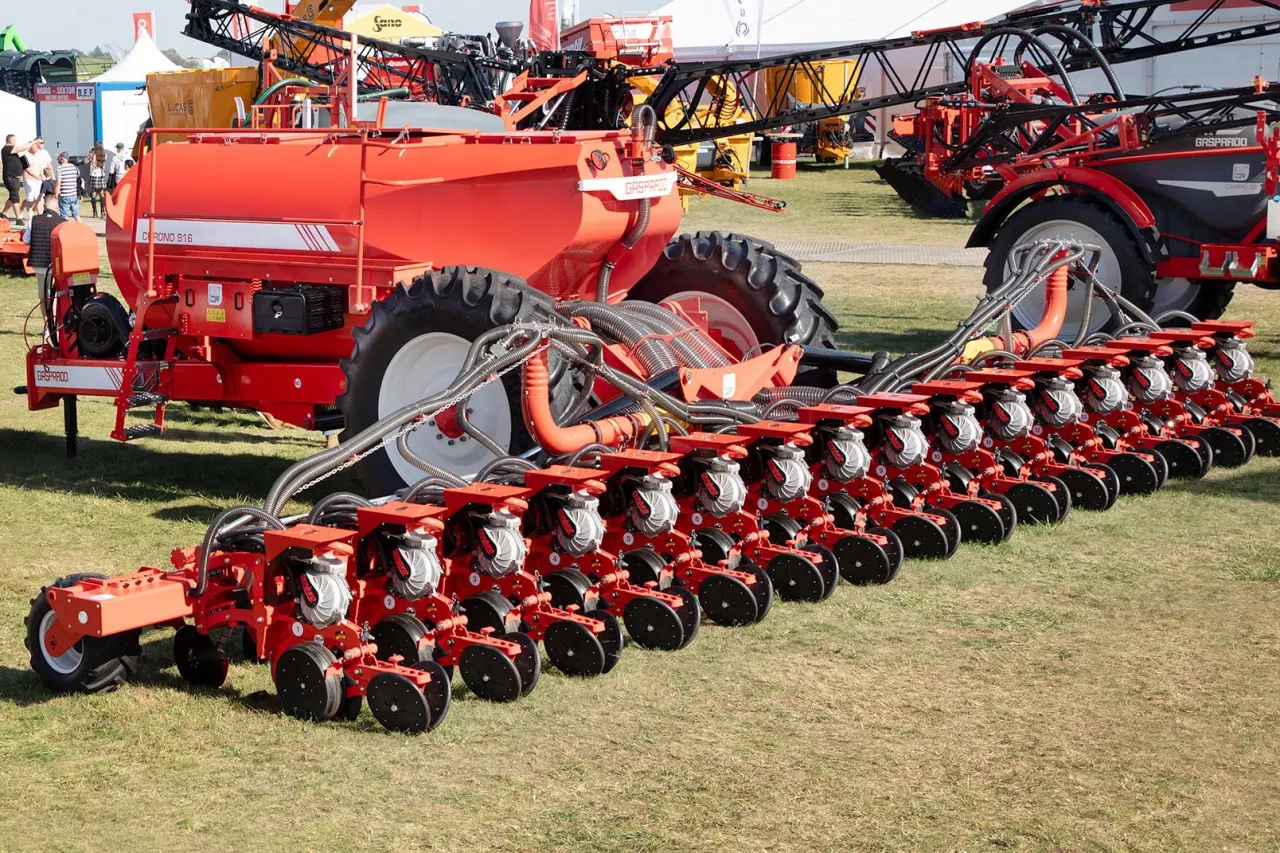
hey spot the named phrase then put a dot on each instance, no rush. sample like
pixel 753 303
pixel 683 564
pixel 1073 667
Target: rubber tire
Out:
pixel 782 304
pixel 400 634
pixel 1137 277
pixel 465 301
pixel 1210 303
pixel 197 657
pixel 107 662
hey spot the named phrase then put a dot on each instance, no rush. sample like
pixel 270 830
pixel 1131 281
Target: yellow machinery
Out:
pixel 731 157
pixel 829 140
pixel 201 97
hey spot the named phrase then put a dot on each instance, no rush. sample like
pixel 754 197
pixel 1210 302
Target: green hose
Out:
pixel 290 81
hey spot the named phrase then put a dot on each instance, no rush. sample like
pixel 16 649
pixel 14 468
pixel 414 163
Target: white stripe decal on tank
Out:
pixel 285 236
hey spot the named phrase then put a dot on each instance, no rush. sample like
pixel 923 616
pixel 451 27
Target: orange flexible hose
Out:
pixel 557 439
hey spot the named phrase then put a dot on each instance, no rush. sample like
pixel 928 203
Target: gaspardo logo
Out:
pixel 1222 142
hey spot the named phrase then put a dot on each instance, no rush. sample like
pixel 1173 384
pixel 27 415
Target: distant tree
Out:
pixel 98 53
pixel 178 59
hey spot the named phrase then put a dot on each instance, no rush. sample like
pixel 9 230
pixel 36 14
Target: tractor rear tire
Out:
pixel 750 278
pixel 93 665
pixel 440 313
pixel 1073 217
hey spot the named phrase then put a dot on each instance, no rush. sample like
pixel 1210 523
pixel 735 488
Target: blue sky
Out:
pixel 85 24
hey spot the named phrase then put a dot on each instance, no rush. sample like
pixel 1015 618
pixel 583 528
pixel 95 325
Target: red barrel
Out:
pixel 784 161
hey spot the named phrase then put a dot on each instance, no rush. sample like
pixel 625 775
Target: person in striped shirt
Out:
pixel 68 187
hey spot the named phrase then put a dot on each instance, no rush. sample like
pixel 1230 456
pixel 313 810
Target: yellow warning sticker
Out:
pixel 81 278
pixel 215 315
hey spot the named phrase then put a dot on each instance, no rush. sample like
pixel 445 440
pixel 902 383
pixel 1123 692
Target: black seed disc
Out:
pixel 1229 449
pixel 728 601
pixel 979 523
pixel 439 690
pixel 1266 435
pixel 1137 477
pixel 1161 466
pixel 611 639
pixel 573 649
pixel 1088 490
pixel 796 579
pixel 486 610
pixel 1035 503
pixel 305 692
pixel 652 624
pixel 892 549
pixel 399 634
pixel 861 560
pixel 529 663
pixel 922 538
pixel 1182 459
pixel 490 674
pixel 689 612
pixel 782 528
pixel 398 704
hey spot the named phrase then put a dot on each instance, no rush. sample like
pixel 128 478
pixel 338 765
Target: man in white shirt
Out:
pixel 38 162
pixel 115 171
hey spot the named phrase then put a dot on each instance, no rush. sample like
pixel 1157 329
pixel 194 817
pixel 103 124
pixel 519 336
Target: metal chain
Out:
pixel 417 422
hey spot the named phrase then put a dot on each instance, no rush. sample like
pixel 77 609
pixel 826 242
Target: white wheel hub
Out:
pixel 725 323
pixel 427 365
pixel 1171 293
pixel 65 663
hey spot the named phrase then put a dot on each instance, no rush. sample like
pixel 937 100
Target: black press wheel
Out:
pixel 728 601
pixel 950 526
pixel 979 522
pixel 568 588
pixel 574 649
pixel 439 690
pixel 844 510
pixel 653 624
pixel 892 549
pixel 922 538
pixel 529 662
pixel 781 528
pixel 93 665
pixel 796 578
pixel 861 560
pixel 306 691
pixel 398 704
pixel 1007 511
pixel 1035 503
pixel 689 611
pixel 412 345
pixel 1110 478
pixel 1061 494
pixel 611 638
pixel 1137 476
pixel 751 293
pixel 1088 489
pixel 198 658
pixel 828 567
pixel 1181 459
pixel 490 674
pixel 1229 449
pixel 762 589
pixel 1074 218
pixel 1266 435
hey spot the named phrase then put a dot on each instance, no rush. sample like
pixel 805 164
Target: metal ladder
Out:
pixel 142 384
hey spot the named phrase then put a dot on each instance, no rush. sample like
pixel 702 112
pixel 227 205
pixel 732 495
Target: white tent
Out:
pixel 145 58
pixel 17 116
pixel 713 29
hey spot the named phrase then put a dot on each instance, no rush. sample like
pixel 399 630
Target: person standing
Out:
pixel 67 188
pixel 98 180
pixel 39 163
pixel 115 172
pixel 14 160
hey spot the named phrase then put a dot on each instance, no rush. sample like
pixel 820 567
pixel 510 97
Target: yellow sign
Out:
pixel 81 278
pixel 215 315
pixel 390 23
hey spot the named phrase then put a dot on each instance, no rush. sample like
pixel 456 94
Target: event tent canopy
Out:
pixel 710 29
pixel 17 116
pixel 145 58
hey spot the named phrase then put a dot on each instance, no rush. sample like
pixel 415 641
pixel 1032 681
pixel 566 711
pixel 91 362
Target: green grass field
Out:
pixel 1106 685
